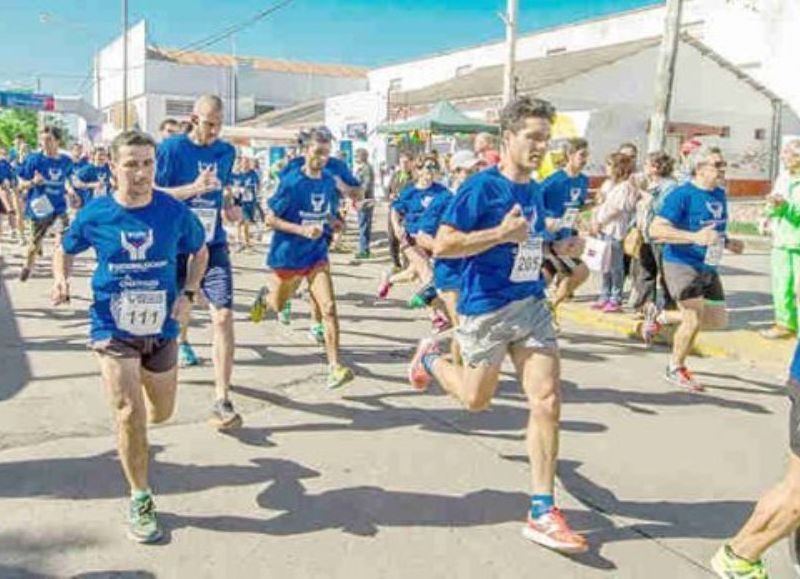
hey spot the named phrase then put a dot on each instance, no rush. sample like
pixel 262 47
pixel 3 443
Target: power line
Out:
pixel 231 30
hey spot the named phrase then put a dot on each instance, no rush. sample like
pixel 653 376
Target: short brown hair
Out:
pixel 131 139
pixel 513 115
pixel 621 166
pixel 572 146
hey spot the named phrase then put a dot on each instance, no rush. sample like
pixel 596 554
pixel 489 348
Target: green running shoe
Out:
pixel 728 566
pixel 285 317
pixel 142 524
pixel 260 309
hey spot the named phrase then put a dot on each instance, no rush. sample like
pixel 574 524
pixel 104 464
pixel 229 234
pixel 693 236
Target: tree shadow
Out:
pixel 15 370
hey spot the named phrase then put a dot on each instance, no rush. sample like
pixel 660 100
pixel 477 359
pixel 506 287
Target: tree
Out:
pixel 15 121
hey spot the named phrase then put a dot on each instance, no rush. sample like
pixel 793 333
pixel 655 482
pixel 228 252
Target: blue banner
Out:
pixel 23 100
pixel 346 147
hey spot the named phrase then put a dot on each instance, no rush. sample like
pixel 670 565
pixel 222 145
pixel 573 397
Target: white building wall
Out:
pixel 360 107
pixel 110 63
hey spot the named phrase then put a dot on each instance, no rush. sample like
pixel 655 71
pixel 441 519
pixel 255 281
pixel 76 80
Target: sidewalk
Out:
pixel 746 280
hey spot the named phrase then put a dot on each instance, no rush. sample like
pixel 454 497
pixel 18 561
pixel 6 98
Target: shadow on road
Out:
pixel 15 371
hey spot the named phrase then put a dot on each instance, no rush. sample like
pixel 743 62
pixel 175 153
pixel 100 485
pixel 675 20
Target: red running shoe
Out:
pixel 552 531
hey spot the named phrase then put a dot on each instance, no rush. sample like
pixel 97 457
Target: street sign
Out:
pixel 23 100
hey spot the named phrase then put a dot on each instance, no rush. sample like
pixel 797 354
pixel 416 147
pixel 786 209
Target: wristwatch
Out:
pixel 189 294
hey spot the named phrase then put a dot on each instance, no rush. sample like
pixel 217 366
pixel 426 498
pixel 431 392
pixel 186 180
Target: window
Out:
pixel 462 70
pixel 179 108
pixel 761 134
pixel 396 84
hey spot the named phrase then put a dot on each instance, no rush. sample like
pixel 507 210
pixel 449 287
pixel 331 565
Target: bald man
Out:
pixel 195 168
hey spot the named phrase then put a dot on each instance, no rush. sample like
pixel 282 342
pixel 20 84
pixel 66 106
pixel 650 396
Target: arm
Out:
pixel 196 268
pixel 278 224
pixel 426 241
pixel 397 223
pixel 663 231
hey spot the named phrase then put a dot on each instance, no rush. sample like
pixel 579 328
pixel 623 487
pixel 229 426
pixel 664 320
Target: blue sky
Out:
pixel 360 32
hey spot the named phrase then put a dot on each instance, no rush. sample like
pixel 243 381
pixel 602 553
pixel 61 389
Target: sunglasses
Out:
pixel 430 167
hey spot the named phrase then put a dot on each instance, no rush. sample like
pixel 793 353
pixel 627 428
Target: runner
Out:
pixel 447 272
pixel 93 180
pixel 406 212
pixel 168 128
pixel 194 168
pixel 43 176
pixel 402 177
pixel 691 224
pixel 137 234
pixel 496 223
pixel 17 157
pixel 565 194
pixel 777 513
pixel 251 183
pixel 6 192
pixel 301 213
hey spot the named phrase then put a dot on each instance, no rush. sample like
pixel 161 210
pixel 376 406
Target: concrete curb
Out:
pixel 744 345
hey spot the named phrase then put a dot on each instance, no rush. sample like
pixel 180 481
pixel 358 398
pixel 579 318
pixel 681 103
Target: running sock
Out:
pixel 541 505
pixel 730 553
pixel 428 361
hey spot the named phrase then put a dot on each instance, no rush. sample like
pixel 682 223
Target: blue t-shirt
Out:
pixel 481 203
pixel 6 171
pixel 251 183
pixel 690 208
pixel 561 192
pixel 92 174
pixel 334 166
pixel 179 161
pixel 49 198
pixel 413 202
pixel 82 162
pixel 446 272
pixel 135 281
pixel 302 200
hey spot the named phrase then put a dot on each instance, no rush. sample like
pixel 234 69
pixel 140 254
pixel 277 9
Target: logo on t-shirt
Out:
pixel 201 166
pixel 574 195
pixel 716 209
pixel 136 243
pixel 318 201
pixel 54 173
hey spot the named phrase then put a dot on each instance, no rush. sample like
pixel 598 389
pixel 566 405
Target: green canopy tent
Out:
pixel 442 119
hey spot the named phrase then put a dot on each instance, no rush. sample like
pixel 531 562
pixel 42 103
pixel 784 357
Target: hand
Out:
pixel 735 246
pixel 207 181
pixel 570 246
pixel 181 310
pixel 706 236
pixel 60 293
pixel 514 227
pixel 38 179
pixel 340 185
pixel 312 231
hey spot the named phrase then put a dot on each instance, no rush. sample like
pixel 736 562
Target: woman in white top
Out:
pixel 611 221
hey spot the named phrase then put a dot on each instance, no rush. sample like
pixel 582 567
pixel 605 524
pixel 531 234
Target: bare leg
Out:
pixel 222 345
pixel 321 288
pixel 776 515
pixel 160 390
pixel 474 387
pixel 540 374
pixel 123 383
pixel 568 285
pixel 450 299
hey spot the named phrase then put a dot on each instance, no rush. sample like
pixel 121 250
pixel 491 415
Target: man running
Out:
pixel 44 176
pixel 169 127
pixel 302 212
pixel 137 234
pixel 251 184
pixel 691 224
pixel 93 180
pixel 194 168
pixel 565 194
pixel 401 178
pixel 497 224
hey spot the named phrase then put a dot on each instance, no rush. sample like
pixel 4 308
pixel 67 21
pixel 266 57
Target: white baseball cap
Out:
pixel 464 159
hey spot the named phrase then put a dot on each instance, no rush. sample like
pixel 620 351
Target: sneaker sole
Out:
pixel 146 540
pixel 340 383
pixel 235 422
pixel 684 387
pixel 545 541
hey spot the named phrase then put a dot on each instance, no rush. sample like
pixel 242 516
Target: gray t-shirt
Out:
pixel 366 175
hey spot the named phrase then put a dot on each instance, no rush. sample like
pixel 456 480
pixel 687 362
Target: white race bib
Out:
pixel 528 263
pixel 142 313
pixel 247 196
pixel 41 207
pixel 308 222
pixel 570 218
pixel 208 217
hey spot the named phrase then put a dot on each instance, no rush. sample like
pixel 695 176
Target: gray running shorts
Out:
pixel 485 339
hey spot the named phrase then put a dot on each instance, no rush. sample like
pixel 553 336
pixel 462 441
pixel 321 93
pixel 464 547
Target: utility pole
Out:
pixel 124 65
pixel 509 77
pixel 234 82
pixel 665 77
